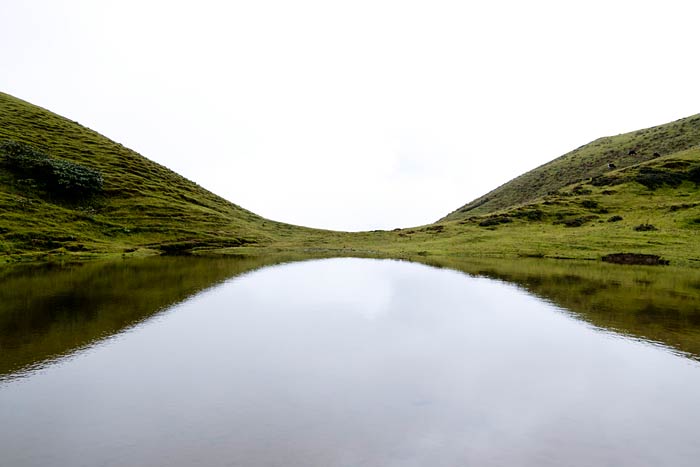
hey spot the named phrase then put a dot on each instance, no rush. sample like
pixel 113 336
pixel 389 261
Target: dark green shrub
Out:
pixel 645 228
pixel 603 180
pixel 22 158
pixel 577 222
pixel 589 204
pixel 74 179
pixel 530 214
pixel 615 219
pixel 655 178
pixel 495 220
pixel 580 190
pixel 678 207
pixel 694 175
pixel 57 176
pixel 534 215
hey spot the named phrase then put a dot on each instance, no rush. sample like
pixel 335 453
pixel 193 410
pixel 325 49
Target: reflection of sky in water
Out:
pixel 358 362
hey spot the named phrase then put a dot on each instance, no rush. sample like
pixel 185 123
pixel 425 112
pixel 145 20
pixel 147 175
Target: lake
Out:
pixel 349 362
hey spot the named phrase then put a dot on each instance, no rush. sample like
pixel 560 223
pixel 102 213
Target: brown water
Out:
pixel 342 362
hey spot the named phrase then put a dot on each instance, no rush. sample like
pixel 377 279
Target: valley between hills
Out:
pixel 68 193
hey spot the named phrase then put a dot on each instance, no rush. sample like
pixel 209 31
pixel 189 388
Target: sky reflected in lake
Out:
pixel 355 362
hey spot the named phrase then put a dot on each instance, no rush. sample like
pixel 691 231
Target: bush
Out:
pixel 655 178
pixel 577 222
pixel 22 158
pixel 74 179
pixel 589 204
pixel 615 219
pixel 495 220
pixel 645 228
pixel 58 176
pixel 694 175
pixel 603 180
pixel 580 190
pixel 530 214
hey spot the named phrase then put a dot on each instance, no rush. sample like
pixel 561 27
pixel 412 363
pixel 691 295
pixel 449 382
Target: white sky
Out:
pixel 353 115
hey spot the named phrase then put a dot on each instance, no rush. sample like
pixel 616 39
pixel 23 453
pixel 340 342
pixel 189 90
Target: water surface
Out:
pixel 351 362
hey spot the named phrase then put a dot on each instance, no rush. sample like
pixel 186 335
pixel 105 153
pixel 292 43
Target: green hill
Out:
pixel 140 206
pixel 585 162
pixel 67 192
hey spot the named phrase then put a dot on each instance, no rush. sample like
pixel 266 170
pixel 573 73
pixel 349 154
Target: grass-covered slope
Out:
pixel 590 160
pixel 649 208
pixel 142 205
pixel 80 194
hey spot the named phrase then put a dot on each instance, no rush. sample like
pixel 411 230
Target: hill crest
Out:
pixel 586 162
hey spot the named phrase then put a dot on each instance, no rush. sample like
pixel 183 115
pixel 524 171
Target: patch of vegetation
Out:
pixel 604 180
pixel 579 190
pixel 615 219
pixel 589 204
pixel 57 176
pixel 577 221
pixel 495 220
pixel 694 175
pixel 529 214
pixel 678 207
pixel 635 258
pixel 653 178
pixel 645 228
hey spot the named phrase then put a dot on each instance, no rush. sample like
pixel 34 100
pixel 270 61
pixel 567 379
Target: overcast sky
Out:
pixel 353 115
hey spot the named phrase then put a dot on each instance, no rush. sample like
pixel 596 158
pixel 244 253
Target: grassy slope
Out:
pixel 586 162
pixel 573 221
pixel 144 204
pixel 675 212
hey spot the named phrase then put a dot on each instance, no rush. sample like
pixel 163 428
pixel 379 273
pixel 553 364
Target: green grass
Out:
pixel 560 210
pixel 144 207
pixel 590 160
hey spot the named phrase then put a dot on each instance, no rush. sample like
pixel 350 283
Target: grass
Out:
pixel 563 209
pixel 143 208
pixel 585 162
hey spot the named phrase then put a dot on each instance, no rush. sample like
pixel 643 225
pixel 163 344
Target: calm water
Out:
pixel 342 362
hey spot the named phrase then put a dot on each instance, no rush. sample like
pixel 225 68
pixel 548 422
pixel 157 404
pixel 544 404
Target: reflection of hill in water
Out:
pixel 660 304
pixel 46 312
pixel 49 312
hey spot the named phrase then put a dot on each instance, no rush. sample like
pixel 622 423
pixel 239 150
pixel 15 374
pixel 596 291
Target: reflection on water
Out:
pixel 659 304
pixel 48 311
pixel 347 362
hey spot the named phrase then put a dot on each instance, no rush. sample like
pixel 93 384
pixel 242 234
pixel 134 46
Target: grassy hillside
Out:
pixel 590 160
pixel 574 207
pixel 142 205
pixel 649 208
